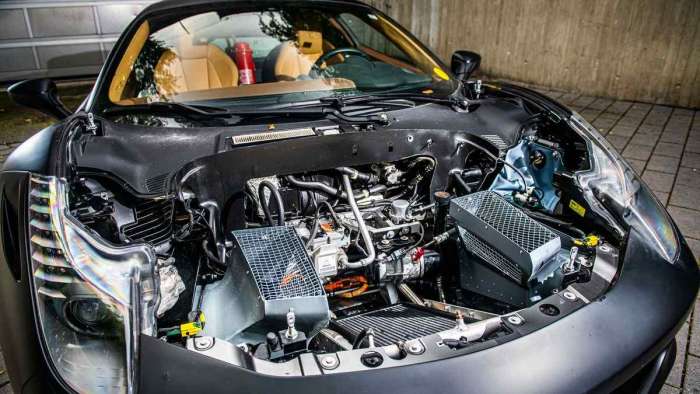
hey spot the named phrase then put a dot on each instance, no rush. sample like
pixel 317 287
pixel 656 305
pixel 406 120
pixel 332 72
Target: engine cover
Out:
pixel 269 274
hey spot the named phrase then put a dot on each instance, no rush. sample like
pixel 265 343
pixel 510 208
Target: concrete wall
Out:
pixel 645 50
pixel 60 38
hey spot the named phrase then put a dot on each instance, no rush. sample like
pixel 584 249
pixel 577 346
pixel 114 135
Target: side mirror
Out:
pixel 40 94
pixel 464 63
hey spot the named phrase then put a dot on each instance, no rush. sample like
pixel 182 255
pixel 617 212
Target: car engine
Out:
pixel 361 256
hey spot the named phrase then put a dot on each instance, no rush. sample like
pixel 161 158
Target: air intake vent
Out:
pixel 395 323
pixel 507 229
pixel 154 222
pixel 157 184
pixel 495 141
pixel 271 136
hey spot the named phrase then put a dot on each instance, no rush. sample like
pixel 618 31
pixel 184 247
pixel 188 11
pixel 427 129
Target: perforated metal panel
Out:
pixel 396 323
pixel 506 228
pixel 491 256
pixel 278 262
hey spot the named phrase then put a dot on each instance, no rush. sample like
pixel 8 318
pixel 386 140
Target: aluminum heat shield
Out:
pixel 507 229
pixel 269 273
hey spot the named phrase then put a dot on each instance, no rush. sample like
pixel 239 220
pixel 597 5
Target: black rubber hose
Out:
pixel 357 175
pixel 324 188
pixel 457 175
pixel 274 194
pixel 320 186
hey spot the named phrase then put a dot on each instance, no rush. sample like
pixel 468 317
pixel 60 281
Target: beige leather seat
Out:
pixel 193 67
pixel 293 59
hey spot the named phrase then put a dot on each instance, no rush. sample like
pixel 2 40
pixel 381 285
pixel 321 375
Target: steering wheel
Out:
pixel 336 51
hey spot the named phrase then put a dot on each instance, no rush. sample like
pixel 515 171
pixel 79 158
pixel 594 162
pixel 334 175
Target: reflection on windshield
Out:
pixel 290 53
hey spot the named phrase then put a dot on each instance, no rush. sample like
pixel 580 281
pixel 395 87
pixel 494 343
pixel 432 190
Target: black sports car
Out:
pixel 287 196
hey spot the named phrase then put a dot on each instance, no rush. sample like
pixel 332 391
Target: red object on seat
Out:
pixel 245 63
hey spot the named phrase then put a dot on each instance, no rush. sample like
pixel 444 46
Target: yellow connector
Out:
pixel 192 328
pixel 590 241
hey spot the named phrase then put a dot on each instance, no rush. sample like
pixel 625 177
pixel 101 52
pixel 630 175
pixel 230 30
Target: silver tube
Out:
pixel 361 226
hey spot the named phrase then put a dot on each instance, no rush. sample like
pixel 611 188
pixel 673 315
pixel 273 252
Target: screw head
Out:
pixel 515 320
pixel 569 295
pixel 415 347
pixel 329 362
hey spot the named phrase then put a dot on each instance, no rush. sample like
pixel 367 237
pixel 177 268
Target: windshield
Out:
pixel 280 54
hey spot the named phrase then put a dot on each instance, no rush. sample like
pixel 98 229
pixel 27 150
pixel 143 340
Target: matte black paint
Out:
pixel 595 349
pixel 40 94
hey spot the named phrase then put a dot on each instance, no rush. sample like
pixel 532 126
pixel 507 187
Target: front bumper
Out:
pixel 597 348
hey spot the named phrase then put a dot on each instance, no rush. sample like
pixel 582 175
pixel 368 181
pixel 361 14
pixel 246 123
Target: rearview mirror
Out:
pixel 41 95
pixel 464 63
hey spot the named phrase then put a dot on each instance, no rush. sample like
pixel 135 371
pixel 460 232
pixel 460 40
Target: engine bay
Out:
pixel 353 241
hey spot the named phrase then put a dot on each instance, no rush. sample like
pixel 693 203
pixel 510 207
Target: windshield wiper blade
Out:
pixel 171 108
pixel 310 110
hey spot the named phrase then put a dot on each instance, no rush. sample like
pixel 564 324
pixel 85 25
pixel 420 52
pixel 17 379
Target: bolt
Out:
pixel 515 320
pixel 415 347
pixel 329 362
pixel 569 295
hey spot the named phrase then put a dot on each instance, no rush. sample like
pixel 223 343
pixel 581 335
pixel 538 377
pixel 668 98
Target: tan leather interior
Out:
pixel 297 58
pixel 194 66
pixel 121 75
pixel 265 89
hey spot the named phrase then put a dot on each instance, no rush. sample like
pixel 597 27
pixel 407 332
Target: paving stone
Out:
pixel 669 149
pixel 600 103
pixel 619 107
pixel 658 181
pixel 660 163
pixel 693 145
pixel 684 196
pixel 590 114
pixel 673 137
pixel 694 347
pixel 683 112
pixel 692 375
pixel 666 389
pixel 663 197
pixel 688 221
pixel 636 151
pixel 623 130
pixel 648 139
pixel 690 159
pixel 618 141
pixel 604 123
pixel 584 101
pixel 675 378
pixel 650 129
pixel 688 177
pixel 569 98
pixel 637 165
pixel 629 121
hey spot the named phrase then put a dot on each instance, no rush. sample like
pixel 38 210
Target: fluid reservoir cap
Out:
pixel 399 209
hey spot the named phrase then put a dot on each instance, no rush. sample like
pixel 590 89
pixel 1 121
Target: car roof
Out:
pixel 172 4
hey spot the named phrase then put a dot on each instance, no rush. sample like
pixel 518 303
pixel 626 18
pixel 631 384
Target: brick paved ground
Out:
pixel 661 143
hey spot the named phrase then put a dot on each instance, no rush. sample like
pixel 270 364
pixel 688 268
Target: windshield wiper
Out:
pixel 170 108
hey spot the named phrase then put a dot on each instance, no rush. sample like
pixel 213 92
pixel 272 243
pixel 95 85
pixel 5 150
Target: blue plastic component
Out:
pixel 508 181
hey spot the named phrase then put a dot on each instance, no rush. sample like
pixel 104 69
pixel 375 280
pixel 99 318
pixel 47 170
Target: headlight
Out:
pixel 93 299
pixel 612 183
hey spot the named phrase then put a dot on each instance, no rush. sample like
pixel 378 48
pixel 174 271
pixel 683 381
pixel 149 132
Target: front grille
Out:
pixel 506 228
pixel 395 323
pixel 153 222
pixel 279 263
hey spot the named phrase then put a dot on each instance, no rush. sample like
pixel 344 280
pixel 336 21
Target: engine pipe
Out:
pixel 274 194
pixel 362 227
pixel 357 175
